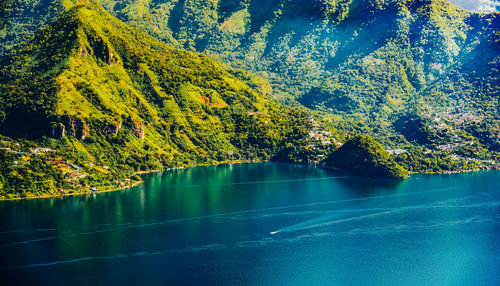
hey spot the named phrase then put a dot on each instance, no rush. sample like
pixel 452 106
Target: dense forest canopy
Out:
pixel 365 156
pixel 354 60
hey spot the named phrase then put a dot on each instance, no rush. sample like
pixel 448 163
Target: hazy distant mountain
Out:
pixel 471 5
pixel 478 5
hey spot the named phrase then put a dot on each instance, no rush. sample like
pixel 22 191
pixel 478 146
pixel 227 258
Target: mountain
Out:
pixel 364 64
pixel 355 60
pixel 112 100
pixel 364 156
pixel 345 56
pixel 87 101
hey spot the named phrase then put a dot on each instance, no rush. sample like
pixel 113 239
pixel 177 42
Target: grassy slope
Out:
pixel 367 45
pixel 356 60
pixel 88 73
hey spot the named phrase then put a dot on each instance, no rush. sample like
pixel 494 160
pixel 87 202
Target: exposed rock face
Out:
pixel 76 127
pixel 113 129
pixel 139 130
pixel 111 58
pixel 58 130
pixel 82 52
pixel 70 126
pixel 84 131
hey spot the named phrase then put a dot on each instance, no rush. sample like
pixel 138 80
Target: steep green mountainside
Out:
pixel 102 93
pixel 87 101
pixel 368 59
pixel 367 65
pixel 343 56
pixel 364 156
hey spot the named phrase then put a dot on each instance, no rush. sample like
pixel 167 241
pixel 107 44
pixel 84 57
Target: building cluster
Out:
pixel 34 151
pixel 397 151
pixel 324 137
pixel 447 123
pixel 457 118
pixel 10 150
pixel 320 137
pixel 451 146
pixel 41 150
pixel 70 171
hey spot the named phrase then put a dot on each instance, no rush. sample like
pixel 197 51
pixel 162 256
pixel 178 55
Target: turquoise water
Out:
pixel 260 224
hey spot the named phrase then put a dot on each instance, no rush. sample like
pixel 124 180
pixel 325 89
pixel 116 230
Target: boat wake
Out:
pixel 327 219
pixel 304 225
pixel 267 241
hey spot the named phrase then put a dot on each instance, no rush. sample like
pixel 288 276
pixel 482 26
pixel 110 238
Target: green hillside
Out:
pixel 363 64
pixel 339 55
pixel 87 101
pixel 104 94
pixel 364 156
pixel 354 60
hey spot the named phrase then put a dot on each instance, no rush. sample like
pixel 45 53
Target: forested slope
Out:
pixel 103 93
pixel 345 56
pixel 367 65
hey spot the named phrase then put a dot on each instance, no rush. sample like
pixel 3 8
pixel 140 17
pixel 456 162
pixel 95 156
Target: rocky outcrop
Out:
pixel 70 126
pixel 58 130
pixel 84 131
pixel 139 130
pixel 112 129
pixel 82 52
pixel 76 127
pixel 111 57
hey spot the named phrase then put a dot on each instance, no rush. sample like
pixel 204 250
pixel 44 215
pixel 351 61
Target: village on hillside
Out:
pixel 71 172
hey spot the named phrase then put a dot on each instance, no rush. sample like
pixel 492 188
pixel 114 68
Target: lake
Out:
pixel 260 224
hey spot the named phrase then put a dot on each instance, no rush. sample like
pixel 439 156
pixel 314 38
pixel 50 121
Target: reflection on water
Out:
pixel 262 224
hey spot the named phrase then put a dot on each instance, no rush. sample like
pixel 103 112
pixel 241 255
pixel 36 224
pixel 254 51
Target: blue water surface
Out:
pixel 260 224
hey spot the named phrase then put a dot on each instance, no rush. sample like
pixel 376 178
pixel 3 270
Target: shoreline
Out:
pixel 411 173
pixel 135 184
pixel 141 173
pixel 361 175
